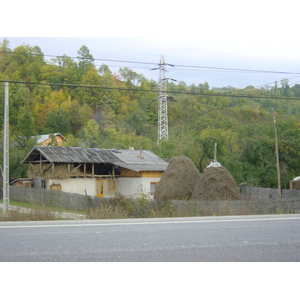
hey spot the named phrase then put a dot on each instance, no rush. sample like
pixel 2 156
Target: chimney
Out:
pixel 141 152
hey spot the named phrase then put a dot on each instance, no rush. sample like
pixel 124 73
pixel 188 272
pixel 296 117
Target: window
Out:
pixel 43 183
pixel 153 187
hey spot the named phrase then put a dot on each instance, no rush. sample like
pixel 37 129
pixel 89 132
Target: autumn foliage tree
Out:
pixel 94 107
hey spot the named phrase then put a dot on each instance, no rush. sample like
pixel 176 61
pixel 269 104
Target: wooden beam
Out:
pixel 76 169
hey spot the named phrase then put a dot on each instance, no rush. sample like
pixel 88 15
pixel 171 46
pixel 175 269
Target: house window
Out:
pixel 153 187
pixel 43 183
pixel 111 185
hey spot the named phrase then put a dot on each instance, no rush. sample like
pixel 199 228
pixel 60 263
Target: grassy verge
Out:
pixel 37 206
pixel 141 207
pixel 23 211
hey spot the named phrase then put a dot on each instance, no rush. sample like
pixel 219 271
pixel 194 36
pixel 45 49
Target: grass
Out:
pixel 23 211
pixel 30 215
pixel 37 206
pixel 141 207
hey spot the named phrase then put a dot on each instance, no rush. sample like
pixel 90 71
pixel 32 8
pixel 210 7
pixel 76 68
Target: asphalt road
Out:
pixel 200 239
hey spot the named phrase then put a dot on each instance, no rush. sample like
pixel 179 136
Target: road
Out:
pixel 199 239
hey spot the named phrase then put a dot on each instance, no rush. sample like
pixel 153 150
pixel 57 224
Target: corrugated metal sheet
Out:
pixel 148 161
pixel 129 159
pixel 70 155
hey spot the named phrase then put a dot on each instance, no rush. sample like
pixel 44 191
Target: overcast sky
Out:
pixel 252 35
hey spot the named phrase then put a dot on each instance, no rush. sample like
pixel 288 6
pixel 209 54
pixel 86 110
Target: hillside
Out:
pixel 93 107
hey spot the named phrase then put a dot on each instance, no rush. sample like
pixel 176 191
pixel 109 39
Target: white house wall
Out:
pixel 129 187
pixel 76 185
pixel 133 187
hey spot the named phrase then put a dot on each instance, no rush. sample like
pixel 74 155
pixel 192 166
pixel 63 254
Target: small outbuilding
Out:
pixel 52 139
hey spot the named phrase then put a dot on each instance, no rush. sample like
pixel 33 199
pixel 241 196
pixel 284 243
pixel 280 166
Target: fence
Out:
pixel 54 198
pixel 254 201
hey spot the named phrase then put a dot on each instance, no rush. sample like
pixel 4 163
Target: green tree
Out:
pixel 86 59
pixel 57 121
pixel 91 134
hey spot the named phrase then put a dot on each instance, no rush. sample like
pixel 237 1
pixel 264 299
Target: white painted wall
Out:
pixel 76 185
pixel 129 187
pixel 133 187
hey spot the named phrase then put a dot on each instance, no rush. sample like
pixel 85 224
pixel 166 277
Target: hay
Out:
pixel 296 185
pixel 178 181
pixel 216 184
pixel 60 171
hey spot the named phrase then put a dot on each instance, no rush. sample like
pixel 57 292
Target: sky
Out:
pixel 248 35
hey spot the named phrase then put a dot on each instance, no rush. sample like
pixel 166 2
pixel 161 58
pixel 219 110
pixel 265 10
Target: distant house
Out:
pixel 52 139
pixel 95 172
pixel 21 182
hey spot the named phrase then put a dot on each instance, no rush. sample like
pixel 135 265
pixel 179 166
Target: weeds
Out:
pixel 143 207
pixel 106 212
pixel 140 207
pixel 20 214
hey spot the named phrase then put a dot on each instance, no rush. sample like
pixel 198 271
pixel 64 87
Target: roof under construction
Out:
pixel 135 160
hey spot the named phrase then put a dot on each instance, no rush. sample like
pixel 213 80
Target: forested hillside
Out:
pixel 93 107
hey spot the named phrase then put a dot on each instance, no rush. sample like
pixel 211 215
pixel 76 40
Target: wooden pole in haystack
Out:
pixel 215 153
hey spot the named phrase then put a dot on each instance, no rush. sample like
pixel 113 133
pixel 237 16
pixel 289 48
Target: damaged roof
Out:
pixel 129 159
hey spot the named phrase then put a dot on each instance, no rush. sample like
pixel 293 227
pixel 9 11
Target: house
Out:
pixel 22 182
pixel 52 139
pixel 95 172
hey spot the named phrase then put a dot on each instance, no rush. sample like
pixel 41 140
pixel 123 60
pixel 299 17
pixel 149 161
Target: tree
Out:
pixel 91 134
pixel 4 59
pixel 85 60
pixel 50 102
pixel 79 114
pixel 57 121
pixel 227 147
pixel 131 77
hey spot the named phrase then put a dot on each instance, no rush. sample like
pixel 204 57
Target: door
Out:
pixel 100 188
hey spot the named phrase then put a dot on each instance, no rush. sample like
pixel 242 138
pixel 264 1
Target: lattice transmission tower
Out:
pixel 163 130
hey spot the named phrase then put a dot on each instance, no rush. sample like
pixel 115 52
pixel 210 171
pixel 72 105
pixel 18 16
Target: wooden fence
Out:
pixel 54 198
pixel 254 201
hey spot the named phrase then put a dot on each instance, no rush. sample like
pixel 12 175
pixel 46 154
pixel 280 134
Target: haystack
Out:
pixel 216 184
pixel 178 181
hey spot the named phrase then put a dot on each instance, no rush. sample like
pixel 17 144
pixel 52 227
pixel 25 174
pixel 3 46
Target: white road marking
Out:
pixel 147 223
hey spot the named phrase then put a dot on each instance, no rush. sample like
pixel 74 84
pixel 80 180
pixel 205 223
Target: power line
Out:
pixel 152 63
pixel 154 90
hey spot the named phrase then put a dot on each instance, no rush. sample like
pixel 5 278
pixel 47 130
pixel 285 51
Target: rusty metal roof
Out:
pixel 130 159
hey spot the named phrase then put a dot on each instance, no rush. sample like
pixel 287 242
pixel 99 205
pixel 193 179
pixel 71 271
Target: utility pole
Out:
pixel 163 130
pixel 6 152
pixel 277 157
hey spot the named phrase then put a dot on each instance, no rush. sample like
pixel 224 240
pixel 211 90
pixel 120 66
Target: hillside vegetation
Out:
pixel 93 107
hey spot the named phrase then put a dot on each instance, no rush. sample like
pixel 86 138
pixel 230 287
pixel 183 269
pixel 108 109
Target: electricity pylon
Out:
pixel 163 130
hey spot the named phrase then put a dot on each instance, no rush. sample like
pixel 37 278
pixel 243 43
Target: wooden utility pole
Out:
pixel 277 156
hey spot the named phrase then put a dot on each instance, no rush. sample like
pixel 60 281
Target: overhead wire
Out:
pixel 153 90
pixel 152 63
